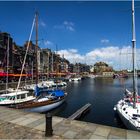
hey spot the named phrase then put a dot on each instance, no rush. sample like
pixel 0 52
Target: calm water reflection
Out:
pixel 102 93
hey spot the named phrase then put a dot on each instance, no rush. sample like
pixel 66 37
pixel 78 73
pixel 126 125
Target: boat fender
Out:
pixel 114 108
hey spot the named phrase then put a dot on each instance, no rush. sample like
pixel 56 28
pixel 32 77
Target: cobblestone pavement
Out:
pixel 12 131
pixel 17 124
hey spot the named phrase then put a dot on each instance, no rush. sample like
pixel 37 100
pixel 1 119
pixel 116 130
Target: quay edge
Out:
pixel 20 124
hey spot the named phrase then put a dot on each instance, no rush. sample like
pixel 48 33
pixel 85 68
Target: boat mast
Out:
pixel 48 67
pixel 52 62
pixel 7 64
pixel 32 72
pixel 57 61
pixel 133 55
pixel 36 50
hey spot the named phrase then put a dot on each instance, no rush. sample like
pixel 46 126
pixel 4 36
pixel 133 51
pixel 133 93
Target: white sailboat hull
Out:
pixel 126 121
pixel 46 107
pixel 126 113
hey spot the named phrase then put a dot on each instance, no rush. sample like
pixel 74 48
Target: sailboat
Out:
pixel 128 108
pixel 46 100
pixel 14 96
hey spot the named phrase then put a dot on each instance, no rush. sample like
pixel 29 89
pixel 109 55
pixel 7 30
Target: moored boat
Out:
pixel 128 108
pixel 16 97
pixel 46 101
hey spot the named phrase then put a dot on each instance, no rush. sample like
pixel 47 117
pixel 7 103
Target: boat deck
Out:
pixel 17 124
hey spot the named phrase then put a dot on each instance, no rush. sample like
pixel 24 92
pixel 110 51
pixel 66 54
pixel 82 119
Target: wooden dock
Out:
pixel 80 111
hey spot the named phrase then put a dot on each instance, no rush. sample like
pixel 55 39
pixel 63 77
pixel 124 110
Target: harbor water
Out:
pixel 101 93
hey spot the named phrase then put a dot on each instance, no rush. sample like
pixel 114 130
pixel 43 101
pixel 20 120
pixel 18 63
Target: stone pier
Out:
pixel 18 124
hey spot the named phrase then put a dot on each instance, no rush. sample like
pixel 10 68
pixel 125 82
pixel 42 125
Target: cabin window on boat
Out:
pixel 134 118
pixel 11 97
pixel 136 115
pixel 22 96
pixel 2 98
pixel 18 96
pixel 29 94
pixel 124 109
pixel 8 97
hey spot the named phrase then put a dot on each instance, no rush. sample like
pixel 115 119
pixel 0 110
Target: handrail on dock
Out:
pixel 79 112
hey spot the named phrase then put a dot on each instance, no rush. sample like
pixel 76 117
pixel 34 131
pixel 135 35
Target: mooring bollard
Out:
pixel 48 131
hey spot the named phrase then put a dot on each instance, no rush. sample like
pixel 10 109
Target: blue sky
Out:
pixel 83 31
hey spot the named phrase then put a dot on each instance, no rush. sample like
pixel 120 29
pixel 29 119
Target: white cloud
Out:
pixel 67 25
pixel 104 53
pixel 118 57
pixel 72 55
pixel 70 28
pixel 42 23
pixel 73 50
pixel 47 42
pixel 104 41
